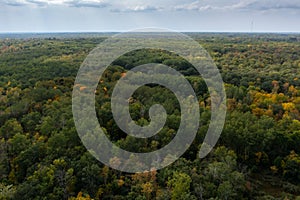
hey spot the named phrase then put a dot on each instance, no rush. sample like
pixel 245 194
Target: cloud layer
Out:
pixel 255 5
pixel 43 3
pixel 166 5
pixel 119 15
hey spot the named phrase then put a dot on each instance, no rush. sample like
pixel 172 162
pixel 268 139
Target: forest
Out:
pixel 256 157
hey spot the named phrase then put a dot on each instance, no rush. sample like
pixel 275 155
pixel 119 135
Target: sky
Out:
pixel 126 15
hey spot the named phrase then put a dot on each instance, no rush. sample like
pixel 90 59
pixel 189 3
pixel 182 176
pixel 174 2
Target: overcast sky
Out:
pixel 123 15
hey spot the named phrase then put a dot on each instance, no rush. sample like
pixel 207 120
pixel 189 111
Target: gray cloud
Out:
pixel 91 4
pixel 115 5
pixel 13 3
pixel 258 5
pixel 37 2
pixel 274 5
pixel 70 3
pixel 202 5
pixel 136 9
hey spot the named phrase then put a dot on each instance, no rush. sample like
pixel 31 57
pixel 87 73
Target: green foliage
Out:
pixel 42 157
pixel 7 192
pixel 180 186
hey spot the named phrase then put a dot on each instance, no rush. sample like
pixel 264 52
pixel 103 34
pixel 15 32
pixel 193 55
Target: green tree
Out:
pixel 10 128
pixel 180 186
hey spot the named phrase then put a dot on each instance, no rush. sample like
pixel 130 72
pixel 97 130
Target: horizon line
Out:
pixel 115 31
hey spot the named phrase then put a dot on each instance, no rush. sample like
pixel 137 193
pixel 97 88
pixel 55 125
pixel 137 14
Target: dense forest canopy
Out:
pixel 257 156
